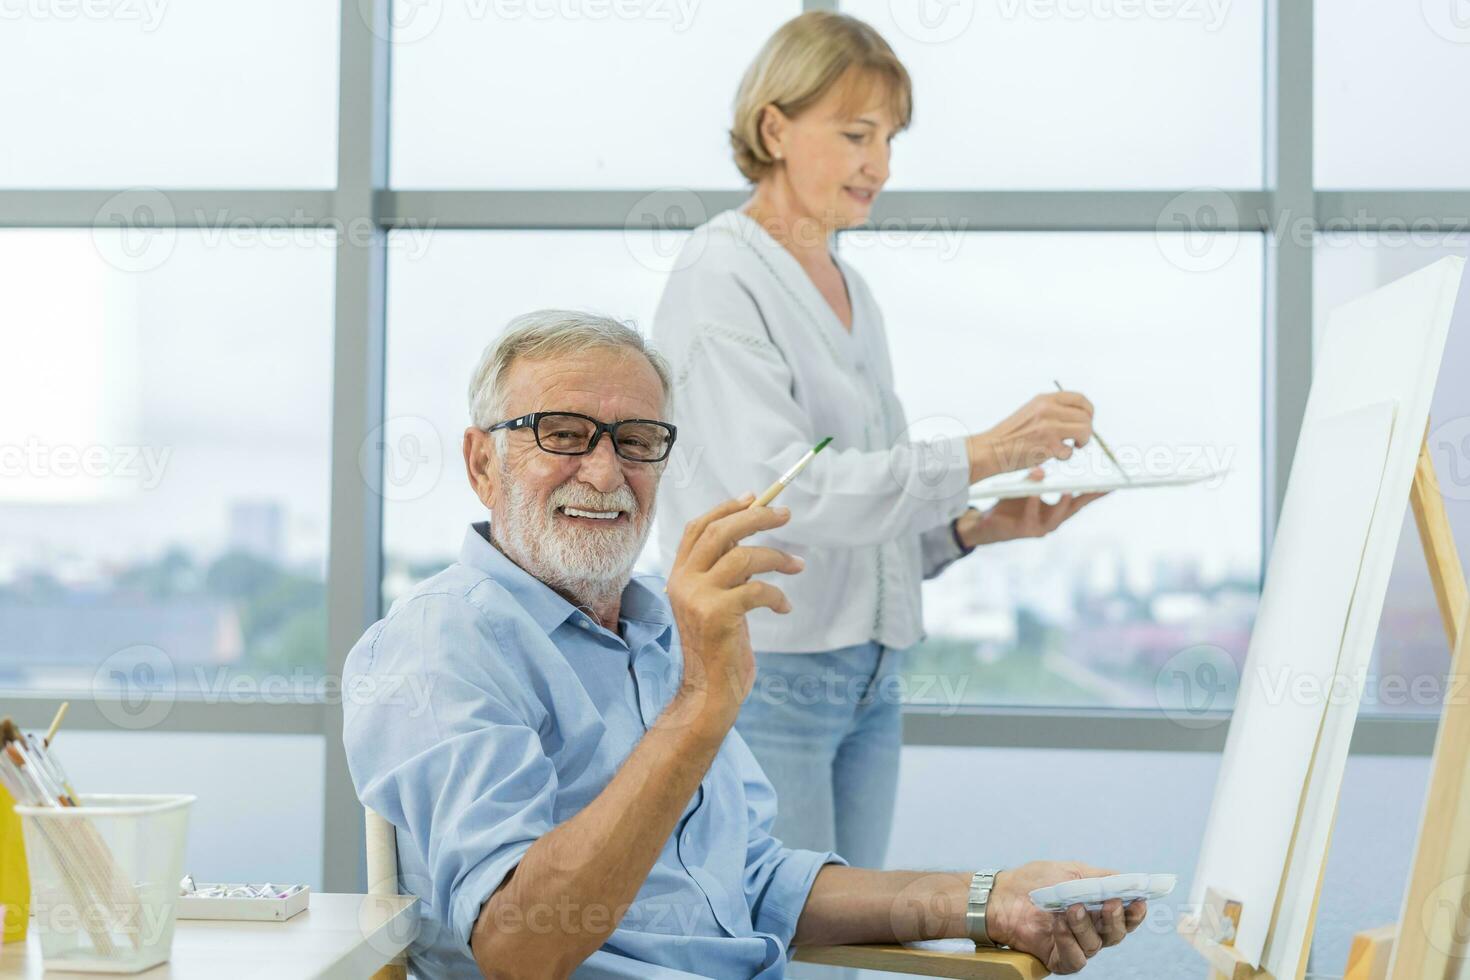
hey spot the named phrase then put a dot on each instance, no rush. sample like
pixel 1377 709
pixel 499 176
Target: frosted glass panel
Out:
pixel 1390 93
pixel 170 93
pixel 1031 94
pixel 542 94
pixel 259 812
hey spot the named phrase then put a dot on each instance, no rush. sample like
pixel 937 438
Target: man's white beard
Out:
pixel 591 565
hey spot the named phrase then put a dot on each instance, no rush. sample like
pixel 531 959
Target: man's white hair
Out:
pixel 548 333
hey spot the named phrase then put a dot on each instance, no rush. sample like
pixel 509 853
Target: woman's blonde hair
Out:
pixel 800 63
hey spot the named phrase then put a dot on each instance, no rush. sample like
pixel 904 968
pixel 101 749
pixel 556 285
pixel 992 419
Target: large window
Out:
pixel 168 93
pixel 1390 86
pixel 216 388
pixel 164 418
pixel 1160 94
pixel 1143 583
pixel 587 95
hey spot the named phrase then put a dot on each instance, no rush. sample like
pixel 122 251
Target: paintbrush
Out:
pixel 1102 443
pixel 769 494
pixel 56 722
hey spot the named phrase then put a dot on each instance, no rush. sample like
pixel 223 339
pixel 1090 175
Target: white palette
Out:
pixel 1009 486
pixel 1093 892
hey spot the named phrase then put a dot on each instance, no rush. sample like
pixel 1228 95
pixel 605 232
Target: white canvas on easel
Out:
pixel 1383 348
pixel 1298 635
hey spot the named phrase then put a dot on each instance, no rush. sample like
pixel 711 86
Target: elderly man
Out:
pixel 572 796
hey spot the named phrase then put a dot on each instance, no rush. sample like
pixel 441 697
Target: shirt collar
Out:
pixel 549 609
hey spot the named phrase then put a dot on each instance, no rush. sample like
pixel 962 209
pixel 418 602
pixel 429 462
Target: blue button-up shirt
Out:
pixel 485 709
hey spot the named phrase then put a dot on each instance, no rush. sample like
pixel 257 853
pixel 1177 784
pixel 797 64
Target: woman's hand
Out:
pixel 1063 941
pixel 1049 426
pixel 1019 517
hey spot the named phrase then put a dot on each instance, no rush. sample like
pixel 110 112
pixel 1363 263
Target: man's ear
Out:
pixel 481 464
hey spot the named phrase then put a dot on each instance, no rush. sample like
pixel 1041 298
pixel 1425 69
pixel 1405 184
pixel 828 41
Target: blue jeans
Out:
pixel 826 728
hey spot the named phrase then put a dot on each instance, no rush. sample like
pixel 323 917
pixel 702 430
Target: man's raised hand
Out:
pixel 711 590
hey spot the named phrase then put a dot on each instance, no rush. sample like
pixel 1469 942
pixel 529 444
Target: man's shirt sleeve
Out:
pixel 442 740
pixel 778 879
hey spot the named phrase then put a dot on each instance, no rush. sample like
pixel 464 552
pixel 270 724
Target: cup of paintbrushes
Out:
pixel 105 879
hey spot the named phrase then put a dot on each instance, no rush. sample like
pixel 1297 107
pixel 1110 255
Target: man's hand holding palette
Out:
pixel 1093 892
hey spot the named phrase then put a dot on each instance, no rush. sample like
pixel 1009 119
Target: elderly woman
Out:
pixel 775 343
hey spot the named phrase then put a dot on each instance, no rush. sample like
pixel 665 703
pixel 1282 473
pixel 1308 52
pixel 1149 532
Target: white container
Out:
pixel 105 880
pixel 245 909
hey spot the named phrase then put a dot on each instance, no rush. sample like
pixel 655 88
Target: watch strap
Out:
pixel 978 907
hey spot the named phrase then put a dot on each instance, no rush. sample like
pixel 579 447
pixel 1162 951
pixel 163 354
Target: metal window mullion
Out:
pixel 228 714
pixel 1066 210
pixel 897 210
pixel 957 211
pixel 355 557
pixel 611 210
pixel 1414 212
pixel 1347 209
pixel 166 208
pixel 1121 730
pixel 1288 254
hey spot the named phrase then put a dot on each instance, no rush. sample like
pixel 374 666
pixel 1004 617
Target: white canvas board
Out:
pixel 1008 487
pixel 1389 343
pixel 1383 348
pixel 1298 634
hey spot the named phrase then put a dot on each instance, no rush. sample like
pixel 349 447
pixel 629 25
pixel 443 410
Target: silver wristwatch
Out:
pixel 980 888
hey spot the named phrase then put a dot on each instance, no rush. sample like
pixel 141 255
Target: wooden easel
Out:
pixel 1441 869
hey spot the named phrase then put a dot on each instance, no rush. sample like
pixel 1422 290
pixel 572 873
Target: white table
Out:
pixel 338 936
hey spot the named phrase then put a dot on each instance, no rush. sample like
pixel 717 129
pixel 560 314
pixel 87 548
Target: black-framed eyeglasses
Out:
pixel 575 434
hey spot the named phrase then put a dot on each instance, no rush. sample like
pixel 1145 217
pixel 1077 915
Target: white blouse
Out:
pixel 763 369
